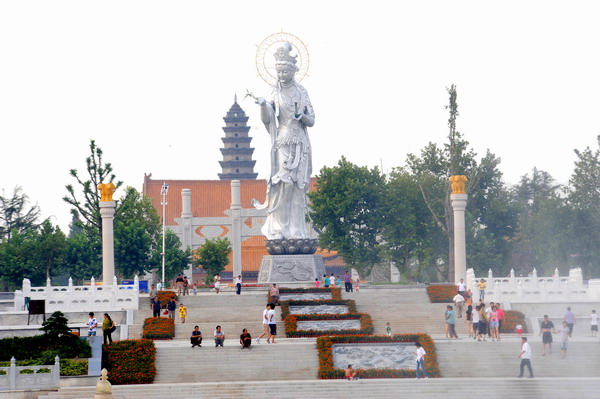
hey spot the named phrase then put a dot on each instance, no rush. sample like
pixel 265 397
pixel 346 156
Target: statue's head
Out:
pixel 285 64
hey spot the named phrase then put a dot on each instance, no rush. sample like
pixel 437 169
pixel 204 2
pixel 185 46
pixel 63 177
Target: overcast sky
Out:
pixel 151 80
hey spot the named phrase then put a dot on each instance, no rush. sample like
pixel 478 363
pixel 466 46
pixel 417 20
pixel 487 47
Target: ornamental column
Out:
pixel 236 228
pixel 107 211
pixel 458 199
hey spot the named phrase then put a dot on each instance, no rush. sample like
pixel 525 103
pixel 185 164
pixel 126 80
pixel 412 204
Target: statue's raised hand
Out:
pixel 260 101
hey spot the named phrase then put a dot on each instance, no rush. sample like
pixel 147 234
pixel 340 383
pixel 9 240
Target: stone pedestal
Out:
pixel 459 204
pixel 107 211
pixel 291 269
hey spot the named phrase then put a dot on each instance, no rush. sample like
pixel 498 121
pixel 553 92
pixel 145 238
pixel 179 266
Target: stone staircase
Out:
pixel 450 388
pixel 408 310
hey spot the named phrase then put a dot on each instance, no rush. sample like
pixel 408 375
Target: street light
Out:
pixel 163 201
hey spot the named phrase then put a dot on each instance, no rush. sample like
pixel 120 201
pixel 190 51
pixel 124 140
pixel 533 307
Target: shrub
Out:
pixel 3 372
pixel 159 328
pixel 45 370
pixel 285 305
pixel 130 361
pixel 55 326
pixel 511 319
pixel 441 293
pixel 26 371
pixel 65 346
pixel 73 367
pixel 165 296
pixel 327 371
pixel 291 324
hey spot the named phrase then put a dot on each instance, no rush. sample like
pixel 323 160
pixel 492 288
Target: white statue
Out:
pixel 286 118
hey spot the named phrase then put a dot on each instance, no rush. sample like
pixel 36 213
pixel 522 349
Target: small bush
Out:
pixel 165 296
pixel 3 372
pixel 27 371
pixel 159 328
pixel 45 370
pixel 70 367
pixel 130 361
pixel 441 293
pixel 65 346
pixel 511 319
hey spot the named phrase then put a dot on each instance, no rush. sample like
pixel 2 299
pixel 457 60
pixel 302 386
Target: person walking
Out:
pixel 563 337
pixel 186 286
pixel 469 320
pixel 171 306
pixel 525 357
pixel 182 312
pixel 494 324
pixel 245 339
pixel 326 281
pixel 482 286
pixel 272 324
pixel 348 281
pixel 265 323
pixel 420 360
pixel 546 329
pixel 462 288
pixel 594 323
pixel 238 284
pixel 459 301
pixel 196 337
pixel 500 313
pixel 155 304
pixel 475 323
pixel 152 294
pixel 570 319
pixel 179 284
pixel 482 322
pixel 357 285
pixel 108 327
pixel 219 337
pixel 388 329
pixel 451 320
pixel 217 282
pixel 275 294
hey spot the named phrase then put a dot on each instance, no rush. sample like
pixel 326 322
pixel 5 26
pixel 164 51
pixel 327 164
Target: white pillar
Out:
pixel 186 227
pixel 236 227
pixel 459 204
pixel 107 211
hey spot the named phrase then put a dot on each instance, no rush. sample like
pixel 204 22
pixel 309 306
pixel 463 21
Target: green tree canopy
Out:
pixel 16 216
pixel 213 256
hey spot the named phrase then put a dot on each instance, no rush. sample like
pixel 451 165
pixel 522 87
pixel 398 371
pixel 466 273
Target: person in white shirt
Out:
pixel 488 312
pixel 420 360
pixel 272 324
pixel 563 335
pixel 92 325
pixel 594 323
pixel 238 284
pixel 459 301
pixel 462 287
pixel 265 323
pixel 525 357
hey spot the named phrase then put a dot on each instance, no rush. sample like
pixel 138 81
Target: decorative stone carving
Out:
pixel 291 268
pixel 304 246
pixel 106 191
pixel 458 184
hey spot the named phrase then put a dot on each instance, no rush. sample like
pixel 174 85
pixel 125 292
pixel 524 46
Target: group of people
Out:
pixel 327 281
pixel 108 327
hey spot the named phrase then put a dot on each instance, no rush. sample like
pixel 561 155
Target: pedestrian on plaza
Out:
pixel 446 327
pixel 475 323
pixel 265 323
pixel 469 320
pixel 171 306
pixel 546 330
pixel 275 294
pixel 238 284
pixel 482 286
pixel 219 337
pixel 519 330
pixel 494 324
pixel 245 339
pixel 488 312
pixel 570 319
pixel 272 324
pixel 155 305
pixel 317 282
pixel 217 281
pixel 462 288
pixel 92 325
pixel 350 373
pixel 196 337
pixel 563 336
pixel 468 297
pixel 326 281
pixel 357 285
pixel 182 312
pixel 451 320
pixel 348 281
pixel 186 286
pixel 459 301
pixel 500 313
pixel 195 289
pixel 153 293
pixel 525 357
pixel 108 327
pixel 420 360
pixel 594 323
pixel 179 284
pixel 338 282
pixel 483 321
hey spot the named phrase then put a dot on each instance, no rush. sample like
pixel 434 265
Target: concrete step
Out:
pixel 451 388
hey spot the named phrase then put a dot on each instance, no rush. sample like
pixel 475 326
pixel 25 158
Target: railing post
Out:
pixel 56 372
pixel 13 374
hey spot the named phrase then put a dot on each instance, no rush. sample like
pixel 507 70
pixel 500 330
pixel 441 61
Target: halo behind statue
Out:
pixel 265 60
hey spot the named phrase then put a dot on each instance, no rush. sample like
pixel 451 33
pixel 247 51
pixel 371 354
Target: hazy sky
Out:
pixel 151 80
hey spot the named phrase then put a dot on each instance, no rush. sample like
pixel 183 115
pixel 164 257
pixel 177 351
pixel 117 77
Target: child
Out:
pixel 563 337
pixel 594 323
pixel 388 329
pixel 182 312
pixel 482 286
pixel 195 289
pixel 317 282
pixel 338 282
pixel 357 286
pixel 519 330
pixel 351 374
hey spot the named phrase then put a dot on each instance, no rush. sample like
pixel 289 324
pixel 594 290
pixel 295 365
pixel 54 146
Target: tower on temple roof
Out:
pixel 237 163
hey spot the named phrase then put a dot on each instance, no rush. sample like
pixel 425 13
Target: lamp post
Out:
pixel 163 201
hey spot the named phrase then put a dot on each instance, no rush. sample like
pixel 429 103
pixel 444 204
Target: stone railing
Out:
pixel 80 298
pixel 569 288
pixel 29 378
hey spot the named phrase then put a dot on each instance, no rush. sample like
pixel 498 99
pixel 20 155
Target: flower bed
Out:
pixel 130 361
pixel 336 293
pixel 510 321
pixel 285 305
pixel 165 296
pixel 159 328
pixel 291 324
pixel 327 371
pixel 441 293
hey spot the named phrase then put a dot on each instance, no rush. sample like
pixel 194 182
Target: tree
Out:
pixel 98 173
pixel 83 257
pixel 55 326
pixel 16 261
pixel 16 215
pixel 213 256
pixel 50 246
pixel 346 211
pixel 176 259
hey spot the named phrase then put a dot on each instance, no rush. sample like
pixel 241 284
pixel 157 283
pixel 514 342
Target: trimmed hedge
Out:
pixel 23 348
pixel 285 305
pixel 510 321
pixel 291 324
pixel 327 371
pixel 159 328
pixel 441 293
pixel 130 361
pixel 165 296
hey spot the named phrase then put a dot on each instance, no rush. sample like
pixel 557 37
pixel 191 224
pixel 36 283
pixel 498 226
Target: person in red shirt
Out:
pixel 500 316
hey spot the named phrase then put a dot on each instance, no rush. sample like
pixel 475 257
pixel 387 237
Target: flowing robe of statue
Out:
pixel 291 163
